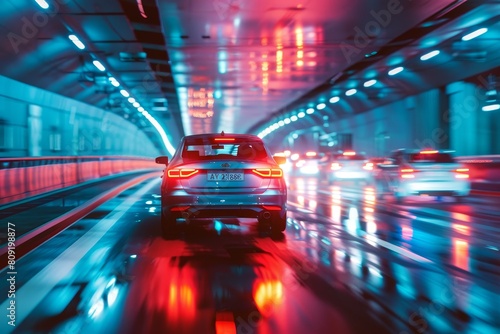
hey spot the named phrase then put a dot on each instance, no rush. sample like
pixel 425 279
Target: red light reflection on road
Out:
pixel 461 254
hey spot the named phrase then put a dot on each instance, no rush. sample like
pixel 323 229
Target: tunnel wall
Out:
pixel 35 122
pixel 421 121
pixel 26 177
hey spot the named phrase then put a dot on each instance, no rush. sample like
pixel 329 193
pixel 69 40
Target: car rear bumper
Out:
pixel 454 188
pixel 183 205
pixel 352 175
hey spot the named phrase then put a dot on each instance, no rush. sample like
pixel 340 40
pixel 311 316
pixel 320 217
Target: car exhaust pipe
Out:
pixel 266 215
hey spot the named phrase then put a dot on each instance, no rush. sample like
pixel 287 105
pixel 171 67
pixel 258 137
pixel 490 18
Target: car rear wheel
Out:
pixel 168 227
pixel 278 224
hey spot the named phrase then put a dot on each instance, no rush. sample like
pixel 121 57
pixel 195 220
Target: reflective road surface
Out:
pixel 348 263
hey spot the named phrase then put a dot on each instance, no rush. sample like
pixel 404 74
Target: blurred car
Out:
pixel 305 164
pixel 222 175
pixel 347 165
pixel 422 172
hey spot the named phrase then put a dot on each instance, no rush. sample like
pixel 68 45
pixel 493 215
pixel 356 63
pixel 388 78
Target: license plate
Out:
pixel 225 176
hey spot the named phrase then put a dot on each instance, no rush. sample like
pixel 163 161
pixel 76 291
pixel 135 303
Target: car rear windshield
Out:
pixel 233 150
pixel 432 157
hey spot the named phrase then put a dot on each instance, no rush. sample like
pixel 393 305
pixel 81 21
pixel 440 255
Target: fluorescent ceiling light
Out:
pixel 99 66
pixel 491 107
pixel 124 93
pixel 114 82
pixel 474 34
pixel 429 55
pixel 320 106
pixel 351 92
pixel 301 114
pixel 396 70
pixel 136 104
pixel 294 118
pixel 42 3
pixel 131 100
pixel 370 83
pixel 77 42
pixel 310 111
pixel 334 99
pixel 281 123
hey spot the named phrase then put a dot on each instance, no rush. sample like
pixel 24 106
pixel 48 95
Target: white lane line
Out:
pixel 38 287
pixel 399 250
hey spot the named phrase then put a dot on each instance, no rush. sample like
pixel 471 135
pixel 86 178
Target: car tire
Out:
pixel 278 224
pixel 168 227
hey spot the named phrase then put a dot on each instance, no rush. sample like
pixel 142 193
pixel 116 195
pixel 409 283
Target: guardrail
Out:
pixel 25 177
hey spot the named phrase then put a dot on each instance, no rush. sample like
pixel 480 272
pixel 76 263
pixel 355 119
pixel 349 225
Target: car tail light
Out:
pixel 407 173
pixel 182 173
pixel 268 172
pixel 462 173
pixel 335 166
pixel 368 166
pixel 349 153
pixel 429 152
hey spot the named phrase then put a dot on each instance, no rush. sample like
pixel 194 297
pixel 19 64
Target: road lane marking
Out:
pixel 38 287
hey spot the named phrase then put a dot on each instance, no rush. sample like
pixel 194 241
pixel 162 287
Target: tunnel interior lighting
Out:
pixel 99 66
pixel 310 111
pixel 429 55
pixel 42 3
pixel 320 106
pixel 334 99
pixel 140 109
pixel 491 107
pixel 396 70
pixel 351 91
pixel 124 93
pixel 281 123
pixel 287 120
pixel 114 82
pixel 301 114
pixel 370 83
pixel 294 118
pixel 136 104
pixel 131 100
pixel 474 34
pixel 77 42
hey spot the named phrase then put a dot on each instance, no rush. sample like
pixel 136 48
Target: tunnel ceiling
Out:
pixel 234 65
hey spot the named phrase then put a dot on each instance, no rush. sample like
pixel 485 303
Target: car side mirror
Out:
pixel 162 160
pixel 279 159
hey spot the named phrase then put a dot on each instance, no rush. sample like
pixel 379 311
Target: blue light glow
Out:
pixel 42 3
pixel 491 107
